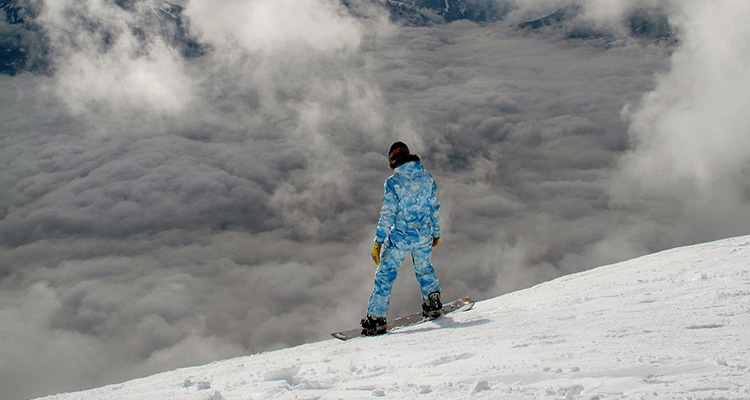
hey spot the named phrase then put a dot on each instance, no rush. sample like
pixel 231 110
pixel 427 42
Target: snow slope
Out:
pixel 672 325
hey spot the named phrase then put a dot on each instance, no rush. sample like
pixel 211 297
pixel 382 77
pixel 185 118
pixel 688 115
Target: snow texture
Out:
pixel 672 325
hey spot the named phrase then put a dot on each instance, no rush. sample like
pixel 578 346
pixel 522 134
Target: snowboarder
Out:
pixel 409 222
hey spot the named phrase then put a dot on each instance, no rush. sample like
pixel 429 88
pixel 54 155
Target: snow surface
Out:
pixel 672 325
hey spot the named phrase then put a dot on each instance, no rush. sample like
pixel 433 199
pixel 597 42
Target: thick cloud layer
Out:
pixel 193 181
pixel 688 167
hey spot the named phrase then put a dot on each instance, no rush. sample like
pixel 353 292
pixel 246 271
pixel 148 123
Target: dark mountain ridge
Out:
pixel 25 46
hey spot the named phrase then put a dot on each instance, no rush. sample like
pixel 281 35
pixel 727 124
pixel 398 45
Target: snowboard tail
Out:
pixel 464 304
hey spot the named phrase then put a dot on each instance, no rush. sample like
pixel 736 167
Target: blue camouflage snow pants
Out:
pixel 394 252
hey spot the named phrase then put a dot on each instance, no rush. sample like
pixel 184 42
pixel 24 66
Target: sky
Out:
pixel 177 193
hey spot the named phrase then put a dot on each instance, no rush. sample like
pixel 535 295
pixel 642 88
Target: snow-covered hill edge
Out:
pixel 670 325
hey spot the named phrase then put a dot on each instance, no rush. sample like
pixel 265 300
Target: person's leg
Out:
pixel 423 269
pixel 385 275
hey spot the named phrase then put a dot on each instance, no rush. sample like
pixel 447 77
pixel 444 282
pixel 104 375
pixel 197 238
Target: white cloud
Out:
pixel 275 25
pixel 691 149
pixel 111 60
pixel 121 81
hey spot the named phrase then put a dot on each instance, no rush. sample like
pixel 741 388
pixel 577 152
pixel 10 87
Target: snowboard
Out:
pixel 464 304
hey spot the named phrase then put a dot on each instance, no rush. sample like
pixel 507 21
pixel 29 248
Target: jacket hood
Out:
pixel 410 167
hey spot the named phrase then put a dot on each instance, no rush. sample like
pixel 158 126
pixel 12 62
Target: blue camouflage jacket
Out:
pixel 410 205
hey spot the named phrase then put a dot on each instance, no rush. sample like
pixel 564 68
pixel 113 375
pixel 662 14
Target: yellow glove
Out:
pixel 376 253
pixel 435 241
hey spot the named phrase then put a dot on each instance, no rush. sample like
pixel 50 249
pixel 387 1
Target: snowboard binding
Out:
pixel 432 307
pixel 372 326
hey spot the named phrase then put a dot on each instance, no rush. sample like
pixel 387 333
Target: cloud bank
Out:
pixel 689 160
pixel 193 181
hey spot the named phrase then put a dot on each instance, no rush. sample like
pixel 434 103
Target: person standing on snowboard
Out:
pixel 409 222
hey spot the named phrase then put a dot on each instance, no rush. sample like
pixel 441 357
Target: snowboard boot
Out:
pixel 372 326
pixel 432 308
